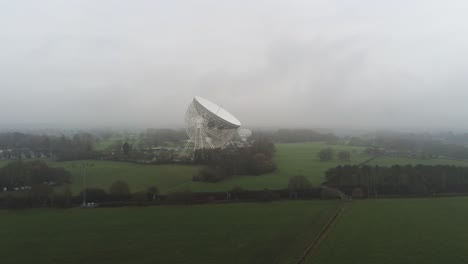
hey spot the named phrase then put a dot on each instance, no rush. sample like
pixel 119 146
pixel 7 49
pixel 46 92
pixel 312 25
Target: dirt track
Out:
pixel 323 234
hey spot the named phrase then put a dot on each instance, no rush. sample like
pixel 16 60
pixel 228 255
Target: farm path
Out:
pixel 308 254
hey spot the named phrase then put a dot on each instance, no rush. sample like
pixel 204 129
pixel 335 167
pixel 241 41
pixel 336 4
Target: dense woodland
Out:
pixel 399 180
pixel 418 145
pixel 15 146
pixel 255 159
pixel 19 174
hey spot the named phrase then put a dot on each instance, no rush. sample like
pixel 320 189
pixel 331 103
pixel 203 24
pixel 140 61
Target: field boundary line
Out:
pixel 368 160
pixel 323 233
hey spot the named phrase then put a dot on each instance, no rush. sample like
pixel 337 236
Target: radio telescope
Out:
pixel 208 125
pixel 244 134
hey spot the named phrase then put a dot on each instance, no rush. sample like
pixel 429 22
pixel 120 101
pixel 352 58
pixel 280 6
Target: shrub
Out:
pixel 329 193
pixel 357 193
pixel 180 197
pixel 209 175
pixel 298 183
pixel 262 164
pixel 326 154
pixel 41 195
pixel 95 195
pixel 17 202
pixel 344 156
pixel 152 193
pixel 120 190
pixel 267 196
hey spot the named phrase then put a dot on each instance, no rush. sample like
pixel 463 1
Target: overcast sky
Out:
pixel 285 63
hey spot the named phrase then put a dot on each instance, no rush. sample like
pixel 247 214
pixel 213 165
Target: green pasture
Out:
pixel 404 231
pixel 291 160
pixel 101 174
pixel 105 144
pixel 3 163
pixel 266 233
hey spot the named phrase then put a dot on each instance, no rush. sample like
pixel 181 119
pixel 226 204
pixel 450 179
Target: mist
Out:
pixel 377 64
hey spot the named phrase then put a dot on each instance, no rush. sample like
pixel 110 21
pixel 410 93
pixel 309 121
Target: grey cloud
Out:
pixel 271 63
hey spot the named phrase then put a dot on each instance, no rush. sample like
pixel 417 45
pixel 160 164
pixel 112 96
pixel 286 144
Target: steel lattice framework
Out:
pixel 206 130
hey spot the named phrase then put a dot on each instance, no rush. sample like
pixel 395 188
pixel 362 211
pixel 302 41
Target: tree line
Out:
pixel 398 180
pixel 413 144
pixel 21 174
pixel 16 145
pixel 303 135
pixel 220 164
pixel 119 194
pixel 295 136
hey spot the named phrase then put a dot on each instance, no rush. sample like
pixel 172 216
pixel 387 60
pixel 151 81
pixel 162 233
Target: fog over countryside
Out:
pixel 356 64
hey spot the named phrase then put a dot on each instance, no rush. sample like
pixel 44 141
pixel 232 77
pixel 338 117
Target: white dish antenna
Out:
pixel 244 133
pixel 208 125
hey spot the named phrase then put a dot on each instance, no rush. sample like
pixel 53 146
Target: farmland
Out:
pixel 291 160
pixel 399 231
pixel 368 231
pixel 234 233
pixel 101 174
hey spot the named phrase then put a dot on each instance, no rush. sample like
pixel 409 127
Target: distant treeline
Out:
pixel 21 174
pixel 19 145
pixel 161 137
pixel 399 180
pixel 296 136
pixel 303 135
pixel 81 146
pixel 420 145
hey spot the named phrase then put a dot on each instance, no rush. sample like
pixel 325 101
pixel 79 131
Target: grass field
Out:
pixel 3 163
pixel 291 159
pixel 105 144
pixel 399 231
pixel 103 173
pixel 230 233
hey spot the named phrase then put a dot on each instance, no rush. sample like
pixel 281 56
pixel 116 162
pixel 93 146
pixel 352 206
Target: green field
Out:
pixel 291 160
pixel 399 231
pixel 266 233
pixel 3 163
pixel 105 144
pixel 103 173
pixel 369 231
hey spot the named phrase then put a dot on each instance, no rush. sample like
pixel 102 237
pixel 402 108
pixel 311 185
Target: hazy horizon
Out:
pixel 299 64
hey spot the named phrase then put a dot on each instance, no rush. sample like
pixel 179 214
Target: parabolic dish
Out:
pixel 217 112
pixel 244 132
